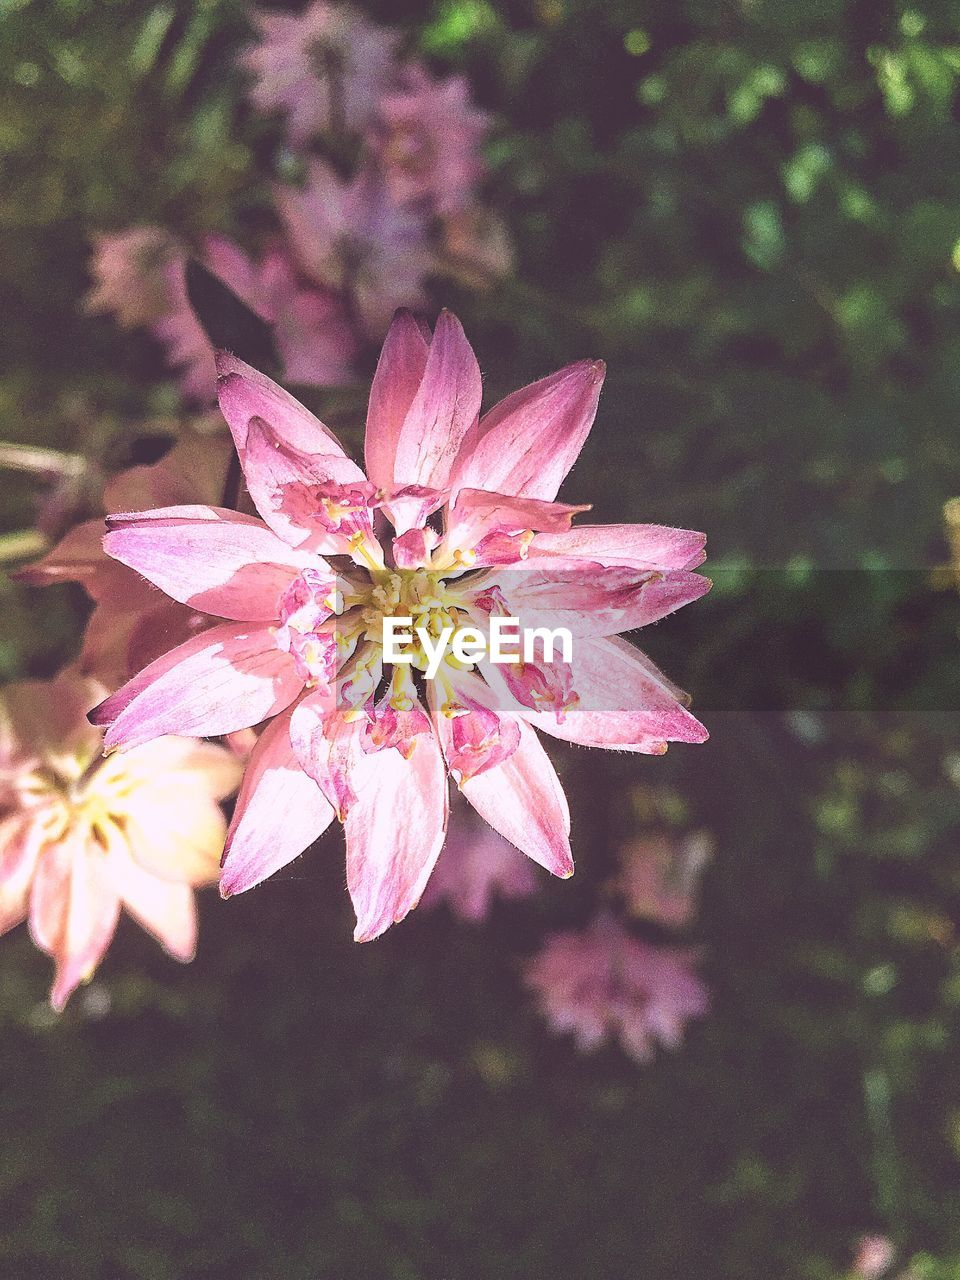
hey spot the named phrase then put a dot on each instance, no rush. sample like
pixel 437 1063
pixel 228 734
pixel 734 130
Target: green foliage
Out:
pixel 752 212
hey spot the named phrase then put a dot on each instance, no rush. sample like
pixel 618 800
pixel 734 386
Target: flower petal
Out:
pixel 280 812
pixel 641 546
pixel 477 513
pixel 394 832
pixel 528 442
pixel 443 410
pixel 214 560
pixel 227 678
pixel 602 603
pixel 400 371
pixel 165 908
pixel 282 482
pixel 73 911
pixel 625 701
pixel 20 843
pixel 523 800
pixel 244 393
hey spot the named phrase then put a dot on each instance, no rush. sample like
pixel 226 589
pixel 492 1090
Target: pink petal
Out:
pixel 165 908
pixel 528 442
pixel 328 747
pixel 175 829
pixel 215 560
pixel 400 371
pixel 477 513
pixel 603 603
pixel 280 812
pixel 625 701
pixel 244 393
pixel 227 678
pixel 394 832
pixel 73 911
pixel 523 800
pixel 282 482
pixel 443 410
pixel 641 546
pixel 77 557
pixel 474 735
pixel 20 843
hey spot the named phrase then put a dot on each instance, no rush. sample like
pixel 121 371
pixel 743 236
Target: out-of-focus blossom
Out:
pixel 354 238
pixel 313 337
pixel 304 592
pixel 603 984
pixel 475 247
pixel 132 623
pixel 875 1257
pixel 325 69
pixel 427 139
pixel 660 876
pixel 82 835
pixel 475 866
pixel 129 270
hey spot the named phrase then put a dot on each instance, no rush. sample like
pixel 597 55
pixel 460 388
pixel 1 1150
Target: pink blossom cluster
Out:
pixel 391 157
pixel 603 983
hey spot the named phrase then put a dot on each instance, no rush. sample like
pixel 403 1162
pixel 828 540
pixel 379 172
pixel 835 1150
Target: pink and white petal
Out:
pixel 640 546
pixel 282 483
pixel 176 830
pixel 328 746
pixel 443 410
pixel 528 442
pixel 230 677
pixel 20 843
pixel 213 560
pixel 186 761
pixel 478 512
pixel 396 382
pixel 412 549
pixel 74 908
pixel 280 812
pixel 523 800
pixel 626 702
pixel 602 603
pixel 165 908
pixel 245 393
pixel 394 833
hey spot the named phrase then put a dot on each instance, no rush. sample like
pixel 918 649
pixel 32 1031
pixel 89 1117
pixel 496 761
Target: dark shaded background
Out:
pixel 752 212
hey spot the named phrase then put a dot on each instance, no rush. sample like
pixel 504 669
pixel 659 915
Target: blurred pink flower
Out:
pixel 141 277
pixel 82 836
pixel 352 237
pixel 301 643
pixel 603 984
pixel 476 865
pixel 660 876
pixel 427 139
pixel 129 270
pixel 325 68
pixel 132 623
pixel 875 1256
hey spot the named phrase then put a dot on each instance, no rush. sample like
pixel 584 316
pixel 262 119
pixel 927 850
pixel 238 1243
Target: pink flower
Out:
pixel 129 271
pixel 304 592
pixel 142 277
pixel 476 865
pixel 427 139
pixel 603 984
pixel 82 836
pixel 132 623
pixel 354 238
pixel 660 876
pixel 325 68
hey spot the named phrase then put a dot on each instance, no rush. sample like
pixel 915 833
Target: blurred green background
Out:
pixel 751 211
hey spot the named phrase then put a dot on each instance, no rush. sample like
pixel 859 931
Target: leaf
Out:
pixel 228 322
